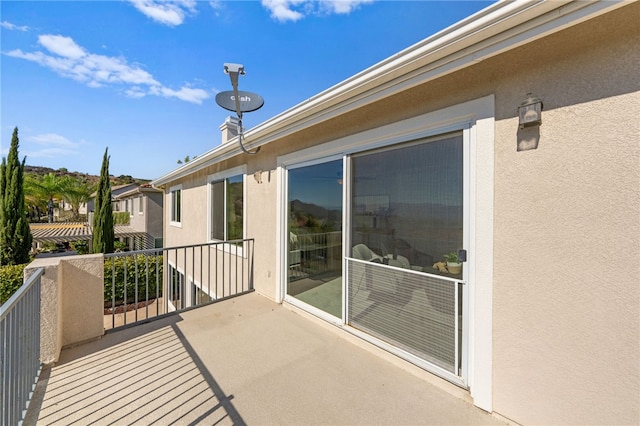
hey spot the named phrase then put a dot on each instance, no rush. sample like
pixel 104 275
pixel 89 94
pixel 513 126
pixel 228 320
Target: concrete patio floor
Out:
pixel 246 360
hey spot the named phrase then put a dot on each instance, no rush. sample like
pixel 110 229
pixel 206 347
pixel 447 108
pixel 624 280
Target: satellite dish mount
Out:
pixel 239 101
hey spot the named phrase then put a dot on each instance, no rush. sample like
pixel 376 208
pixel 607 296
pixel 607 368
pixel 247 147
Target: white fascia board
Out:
pixel 496 29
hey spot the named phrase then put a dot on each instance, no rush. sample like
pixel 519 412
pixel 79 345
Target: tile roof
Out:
pixel 73 231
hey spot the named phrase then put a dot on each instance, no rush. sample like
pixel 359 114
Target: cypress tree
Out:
pixel 103 237
pixel 15 234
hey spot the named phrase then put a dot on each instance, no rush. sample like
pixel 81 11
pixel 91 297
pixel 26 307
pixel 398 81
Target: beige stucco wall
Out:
pixel 71 302
pixel 567 233
pixel 566 324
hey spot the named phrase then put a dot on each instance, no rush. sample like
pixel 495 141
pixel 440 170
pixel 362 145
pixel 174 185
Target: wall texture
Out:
pixel 71 302
pixel 567 232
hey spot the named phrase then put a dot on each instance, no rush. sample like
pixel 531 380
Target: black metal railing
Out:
pixel 146 284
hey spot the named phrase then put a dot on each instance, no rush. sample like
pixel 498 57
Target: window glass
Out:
pixel 234 208
pixel 227 208
pixel 175 205
pixel 176 288
pixel 315 236
pixel 407 201
pixel 217 210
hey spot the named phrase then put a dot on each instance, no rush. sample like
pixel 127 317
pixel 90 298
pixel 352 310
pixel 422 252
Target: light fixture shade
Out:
pixel 530 112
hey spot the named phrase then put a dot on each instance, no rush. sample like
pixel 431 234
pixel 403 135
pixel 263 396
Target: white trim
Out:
pixel 476 118
pixel 481 269
pixel 281 236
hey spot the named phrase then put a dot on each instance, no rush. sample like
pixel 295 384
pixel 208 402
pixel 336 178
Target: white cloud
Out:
pixel 282 10
pixel 294 10
pixel 51 139
pixel 170 13
pixel 51 145
pixel 62 46
pixel 342 7
pixel 70 60
pixel 9 26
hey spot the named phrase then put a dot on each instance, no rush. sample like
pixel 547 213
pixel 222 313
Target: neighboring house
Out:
pixel 357 192
pixel 144 205
pixel 115 191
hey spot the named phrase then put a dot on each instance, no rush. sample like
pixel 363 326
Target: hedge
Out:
pixel 146 265
pixel 11 278
pixel 121 218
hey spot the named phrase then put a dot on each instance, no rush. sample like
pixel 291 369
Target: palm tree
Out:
pixel 75 192
pixel 39 191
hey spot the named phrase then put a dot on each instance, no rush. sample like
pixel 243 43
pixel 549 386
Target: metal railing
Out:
pixel 146 284
pixel 20 353
pixel 311 254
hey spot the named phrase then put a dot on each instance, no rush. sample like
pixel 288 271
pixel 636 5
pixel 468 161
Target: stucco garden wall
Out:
pixel 71 302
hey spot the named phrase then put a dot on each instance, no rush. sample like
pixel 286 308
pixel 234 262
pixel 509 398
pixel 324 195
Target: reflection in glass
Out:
pixel 315 236
pixel 407 202
pixel 406 215
pixel 227 209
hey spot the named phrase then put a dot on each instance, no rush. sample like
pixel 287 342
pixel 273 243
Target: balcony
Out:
pixel 242 360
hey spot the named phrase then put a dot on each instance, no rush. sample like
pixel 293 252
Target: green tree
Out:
pixel 103 236
pixel 39 190
pixel 15 234
pixel 75 192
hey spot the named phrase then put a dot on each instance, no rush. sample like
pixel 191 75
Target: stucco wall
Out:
pixel 71 301
pixel 566 325
pixel 567 232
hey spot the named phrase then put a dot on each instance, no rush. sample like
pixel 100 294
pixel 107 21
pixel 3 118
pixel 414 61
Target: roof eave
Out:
pixel 498 28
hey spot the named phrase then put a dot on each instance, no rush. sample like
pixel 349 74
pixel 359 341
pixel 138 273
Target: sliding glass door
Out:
pixel 404 224
pixel 314 246
pixel 406 219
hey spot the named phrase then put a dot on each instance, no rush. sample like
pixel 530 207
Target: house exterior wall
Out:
pixel 566 325
pixel 136 220
pixel 567 231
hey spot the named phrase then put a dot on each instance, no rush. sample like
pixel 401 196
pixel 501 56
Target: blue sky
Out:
pixel 140 76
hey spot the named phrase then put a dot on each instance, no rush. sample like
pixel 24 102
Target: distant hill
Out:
pixel 92 179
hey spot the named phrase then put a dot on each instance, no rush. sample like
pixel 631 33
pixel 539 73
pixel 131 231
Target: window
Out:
pixel 176 288
pixel 199 296
pixel 140 205
pixel 407 199
pixel 227 208
pixel 129 208
pixel 176 201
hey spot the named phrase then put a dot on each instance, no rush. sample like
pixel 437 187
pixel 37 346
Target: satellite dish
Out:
pixel 248 101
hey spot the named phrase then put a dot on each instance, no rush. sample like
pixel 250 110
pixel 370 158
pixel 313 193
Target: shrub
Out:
pixel 121 218
pixel 11 278
pixel 81 247
pixel 148 266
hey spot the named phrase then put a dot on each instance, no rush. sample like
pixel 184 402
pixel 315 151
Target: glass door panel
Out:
pixel 315 236
pixel 406 215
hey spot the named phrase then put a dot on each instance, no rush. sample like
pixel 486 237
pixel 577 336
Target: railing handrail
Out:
pixel 6 307
pixel 144 284
pixel 159 249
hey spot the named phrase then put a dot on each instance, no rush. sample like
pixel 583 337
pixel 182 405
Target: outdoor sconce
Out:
pixel 530 112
